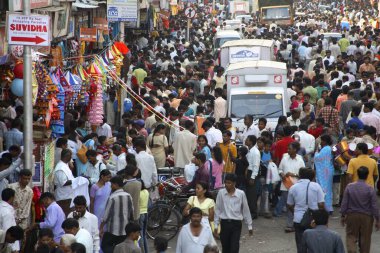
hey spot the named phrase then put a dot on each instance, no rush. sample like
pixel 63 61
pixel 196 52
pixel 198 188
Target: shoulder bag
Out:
pixel 307 217
pixel 212 178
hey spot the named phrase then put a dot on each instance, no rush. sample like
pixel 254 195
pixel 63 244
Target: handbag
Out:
pixel 81 154
pixel 212 178
pixel 307 217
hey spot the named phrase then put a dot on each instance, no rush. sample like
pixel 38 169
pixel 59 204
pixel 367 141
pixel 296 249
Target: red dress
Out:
pixel 282 147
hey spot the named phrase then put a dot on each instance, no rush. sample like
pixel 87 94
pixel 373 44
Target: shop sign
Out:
pixel 32 30
pixel 122 10
pixel 100 23
pixel 239 54
pixel 17 5
pixel 88 34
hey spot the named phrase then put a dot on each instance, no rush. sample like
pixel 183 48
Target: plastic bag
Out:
pixel 189 172
pixel 272 174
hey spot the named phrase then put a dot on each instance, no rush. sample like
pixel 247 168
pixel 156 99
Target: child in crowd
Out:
pixel 103 149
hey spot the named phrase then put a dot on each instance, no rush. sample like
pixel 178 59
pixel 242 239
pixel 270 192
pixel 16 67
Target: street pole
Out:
pixel 188 30
pixel 27 99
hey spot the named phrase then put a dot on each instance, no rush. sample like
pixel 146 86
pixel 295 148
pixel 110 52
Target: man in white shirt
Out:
pixel 329 58
pixel 104 129
pixel 8 214
pixel 118 161
pixel 335 49
pixel 213 135
pixel 9 237
pixel 220 79
pixel 71 226
pixel 253 158
pixel 184 145
pixel 63 181
pixel 146 164
pixel 23 198
pixel 352 66
pixel 294 119
pixel 142 42
pixel 306 140
pixel 369 118
pixel 94 166
pixel 288 169
pixel 351 49
pixel 249 129
pixel 174 128
pixel 190 241
pixel 220 105
pixel 86 220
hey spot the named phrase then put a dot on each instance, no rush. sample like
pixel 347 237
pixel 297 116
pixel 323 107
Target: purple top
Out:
pixel 360 198
pixel 201 175
pixel 53 220
pixel 217 171
pixel 100 196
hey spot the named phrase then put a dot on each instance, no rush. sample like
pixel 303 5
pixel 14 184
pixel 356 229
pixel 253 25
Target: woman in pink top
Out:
pixel 217 164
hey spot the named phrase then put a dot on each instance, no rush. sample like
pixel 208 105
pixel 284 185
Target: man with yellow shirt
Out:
pixel 343 43
pixel 362 159
pixel 229 152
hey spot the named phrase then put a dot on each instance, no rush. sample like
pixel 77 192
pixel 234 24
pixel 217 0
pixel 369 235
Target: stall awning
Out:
pixel 51 9
pixel 86 4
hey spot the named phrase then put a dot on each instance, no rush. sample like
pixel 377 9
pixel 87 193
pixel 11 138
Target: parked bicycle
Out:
pixel 165 215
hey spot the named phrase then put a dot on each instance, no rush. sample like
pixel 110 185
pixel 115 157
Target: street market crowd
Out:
pixel 321 158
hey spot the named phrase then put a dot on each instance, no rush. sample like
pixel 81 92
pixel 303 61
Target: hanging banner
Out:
pixel 122 10
pixel 88 34
pixel 100 23
pixel 16 5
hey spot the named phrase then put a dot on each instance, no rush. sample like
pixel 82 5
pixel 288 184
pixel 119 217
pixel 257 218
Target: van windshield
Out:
pixel 259 105
pixel 276 13
pixel 219 42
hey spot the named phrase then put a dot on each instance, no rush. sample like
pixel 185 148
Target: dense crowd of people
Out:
pixel 320 157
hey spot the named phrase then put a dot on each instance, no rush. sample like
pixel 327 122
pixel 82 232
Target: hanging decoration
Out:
pixel 17 87
pixel 18 70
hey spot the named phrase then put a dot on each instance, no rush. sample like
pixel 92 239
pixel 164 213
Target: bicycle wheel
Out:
pixel 163 221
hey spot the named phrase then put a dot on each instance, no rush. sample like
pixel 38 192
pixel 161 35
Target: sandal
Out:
pixel 289 230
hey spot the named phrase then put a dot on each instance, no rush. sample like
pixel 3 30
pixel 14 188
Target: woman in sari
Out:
pixel 324 167
pixel 158 144
pixel 100 193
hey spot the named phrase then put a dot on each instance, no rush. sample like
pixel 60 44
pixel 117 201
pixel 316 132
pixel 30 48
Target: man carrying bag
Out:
pixel 303 197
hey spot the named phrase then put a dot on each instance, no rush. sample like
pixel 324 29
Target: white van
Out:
pixel 257 88
pixel 223 36
pixel 246 50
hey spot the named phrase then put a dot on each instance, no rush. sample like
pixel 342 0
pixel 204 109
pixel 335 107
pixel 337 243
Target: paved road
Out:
pixel 269 236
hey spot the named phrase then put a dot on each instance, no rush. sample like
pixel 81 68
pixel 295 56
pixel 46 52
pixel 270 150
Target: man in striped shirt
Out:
pixel 118 213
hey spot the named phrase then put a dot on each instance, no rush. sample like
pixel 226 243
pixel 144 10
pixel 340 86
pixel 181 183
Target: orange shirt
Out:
pixel 228 160
pixel 339 100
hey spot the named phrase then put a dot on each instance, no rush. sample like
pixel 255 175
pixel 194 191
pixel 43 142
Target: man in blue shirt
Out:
pixel 320 238
pixel 355 122
pixel 297 201
pixel 54 216
pixel 14 136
